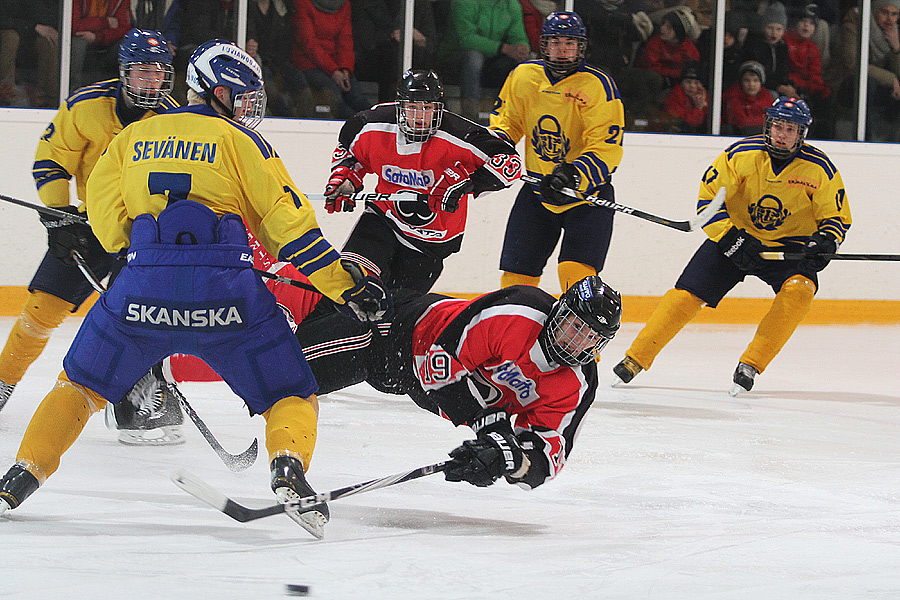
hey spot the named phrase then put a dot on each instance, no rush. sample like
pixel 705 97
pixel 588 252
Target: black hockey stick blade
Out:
pixel 198 488
pixel 800 256
pixel 235 462
pixel 47 210
pixel 693 224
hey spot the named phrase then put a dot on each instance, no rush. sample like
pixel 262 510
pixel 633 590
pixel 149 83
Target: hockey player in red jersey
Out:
pixel 441 158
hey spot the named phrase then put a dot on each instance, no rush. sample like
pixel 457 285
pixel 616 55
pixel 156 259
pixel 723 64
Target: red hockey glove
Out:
pixel 451 186
pixel 344 181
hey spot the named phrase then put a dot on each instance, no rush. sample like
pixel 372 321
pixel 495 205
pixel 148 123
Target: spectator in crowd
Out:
pixel 745 102
pixel 767 47
pixel 377 41
pixel 884 69
pixel 157 15
pixel 28 34
pixel 688 102
pixel 199 21
pixel 485 40
pixel 616 29
pixel 323 50
pixel 269 40
pixel 533 14
pixel 97 28
pixel 732 53
pixel 670 48
pixel 823 13
pixel 805 70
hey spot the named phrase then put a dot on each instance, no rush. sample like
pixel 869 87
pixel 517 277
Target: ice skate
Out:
pixel 16 486
pixel 289 483
pixel 6 391
pixel 149 415
pixel 625 371
pixel 743 378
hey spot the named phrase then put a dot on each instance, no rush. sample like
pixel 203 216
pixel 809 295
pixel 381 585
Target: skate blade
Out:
pixel 737 389
pixel 170 435
pixel 312 521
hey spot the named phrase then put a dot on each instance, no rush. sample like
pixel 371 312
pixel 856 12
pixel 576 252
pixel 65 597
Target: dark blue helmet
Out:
pixel 560 26
pixel 789 110
pixel 222 63
pixel 145 67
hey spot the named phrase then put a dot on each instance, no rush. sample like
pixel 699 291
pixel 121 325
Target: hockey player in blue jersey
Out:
pixel 172 193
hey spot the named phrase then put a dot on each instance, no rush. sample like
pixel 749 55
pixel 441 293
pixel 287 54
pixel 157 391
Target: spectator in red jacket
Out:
pixel 745 102
pixel 324 52
pixel 805 69
pixel 97 28
pixel 533 14
pixel 688 102
pixel 669 49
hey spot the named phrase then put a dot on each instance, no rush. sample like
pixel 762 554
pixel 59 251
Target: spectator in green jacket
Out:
pixel 485 41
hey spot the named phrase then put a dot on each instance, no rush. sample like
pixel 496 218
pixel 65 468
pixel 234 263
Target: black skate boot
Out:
pixel 626 370
pixel 6 391
pixel 743 378
pixel 150 414
pixel 289 483
pixel 16 486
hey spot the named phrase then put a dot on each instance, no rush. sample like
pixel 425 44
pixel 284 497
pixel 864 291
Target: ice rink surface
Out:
pixel 673 490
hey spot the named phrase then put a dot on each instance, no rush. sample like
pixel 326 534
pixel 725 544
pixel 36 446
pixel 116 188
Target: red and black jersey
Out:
pixel 466 355
pixel 371 142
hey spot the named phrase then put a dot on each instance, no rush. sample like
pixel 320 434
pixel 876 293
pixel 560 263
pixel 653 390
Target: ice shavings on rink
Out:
pixel 673 490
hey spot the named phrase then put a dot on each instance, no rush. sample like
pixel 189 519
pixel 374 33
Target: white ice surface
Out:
pixel 673 490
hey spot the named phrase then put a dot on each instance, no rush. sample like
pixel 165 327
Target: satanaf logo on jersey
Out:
pixel 154 313
pixel 768 213
pixel 423 180
pixel 510 375
pixel 549 141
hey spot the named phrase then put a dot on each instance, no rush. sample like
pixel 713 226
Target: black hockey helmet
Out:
pixel 581 322
pixel 415 89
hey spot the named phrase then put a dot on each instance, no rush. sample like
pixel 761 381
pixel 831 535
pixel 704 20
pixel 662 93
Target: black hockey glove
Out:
pixel 367 300
pixel 343 182
pixel 818 244
pixel 495 452
pixel 453 184
pixel 65 236
pixel 742 249
pixel 564 176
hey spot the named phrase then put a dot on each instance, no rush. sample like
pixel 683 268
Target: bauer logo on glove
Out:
pixel 451 186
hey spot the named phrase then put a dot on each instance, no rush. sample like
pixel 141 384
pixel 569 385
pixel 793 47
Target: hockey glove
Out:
pixel 453 184
pixel 742 249
pixel 495 452
pixel 65 236
pixel 367 300
pixel 564 176
pixel 818 244
pixel 343 182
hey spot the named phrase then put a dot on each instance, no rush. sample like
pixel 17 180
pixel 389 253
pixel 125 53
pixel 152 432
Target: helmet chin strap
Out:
pixel 211 98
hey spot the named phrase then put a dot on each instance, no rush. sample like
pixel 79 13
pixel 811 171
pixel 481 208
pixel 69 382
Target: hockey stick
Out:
pixel 693 224
pixel 47 210
pixel 287 280
pixel 373 196
pixel 235 462
pixel 202 490
pixel 800 256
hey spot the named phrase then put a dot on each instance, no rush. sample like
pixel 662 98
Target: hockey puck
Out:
pixel 294 589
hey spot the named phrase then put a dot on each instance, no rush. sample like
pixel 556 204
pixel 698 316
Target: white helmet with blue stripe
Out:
pixel 222 63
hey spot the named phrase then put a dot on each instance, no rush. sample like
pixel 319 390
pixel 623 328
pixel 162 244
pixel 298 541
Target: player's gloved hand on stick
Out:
pixel 451 186
pixel 65 236
pixel 367 300
pixel 818 244
pixel 495 452
pixel 742 249
pixel 564 176
pixel 343 182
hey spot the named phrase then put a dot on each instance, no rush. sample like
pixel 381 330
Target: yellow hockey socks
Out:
pixel 41 314
pixel 509 279
pixel 790 305
pixel 571 272
pixel 55 426
pixel 676 309
pixel 291 428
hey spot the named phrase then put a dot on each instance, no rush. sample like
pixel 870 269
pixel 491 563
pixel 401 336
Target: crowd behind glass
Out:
pixel 331 58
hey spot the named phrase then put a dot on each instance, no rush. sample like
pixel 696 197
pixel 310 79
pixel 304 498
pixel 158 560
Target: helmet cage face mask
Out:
pixel 571 341
pixel 787 110
pixel 562 67
pixel 414 119
pixel 249 108
pixel 146 84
